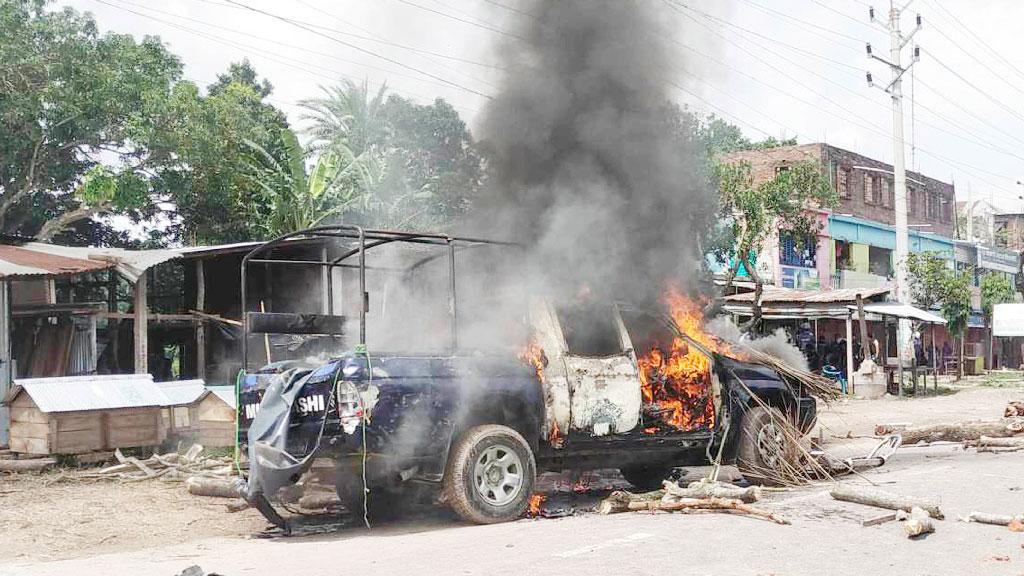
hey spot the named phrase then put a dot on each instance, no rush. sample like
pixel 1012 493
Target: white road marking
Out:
pixel 606 544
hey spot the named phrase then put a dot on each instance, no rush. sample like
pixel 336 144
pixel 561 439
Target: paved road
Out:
pixel 825 538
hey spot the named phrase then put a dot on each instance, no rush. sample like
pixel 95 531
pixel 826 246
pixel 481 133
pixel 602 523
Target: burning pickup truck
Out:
pixel 598 385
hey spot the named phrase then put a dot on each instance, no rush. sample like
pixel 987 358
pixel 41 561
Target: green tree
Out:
pixel 786 202
pixel 208 176
pixel 291 199
pixel 995 289
pixel 934 284
pixel 77 111
pixel 429 168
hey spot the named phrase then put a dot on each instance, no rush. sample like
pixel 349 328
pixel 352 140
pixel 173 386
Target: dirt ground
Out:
pixel 49 517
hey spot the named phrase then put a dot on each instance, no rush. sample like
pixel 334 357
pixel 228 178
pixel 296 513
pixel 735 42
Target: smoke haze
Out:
pixel 585 167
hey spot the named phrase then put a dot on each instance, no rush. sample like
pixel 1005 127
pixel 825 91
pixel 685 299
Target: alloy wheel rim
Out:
pixel 498 475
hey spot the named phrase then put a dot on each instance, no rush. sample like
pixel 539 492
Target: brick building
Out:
pixel 865 185
pixel 1009 231
pixel 854 245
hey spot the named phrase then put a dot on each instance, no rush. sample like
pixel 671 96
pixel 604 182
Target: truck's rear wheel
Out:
pixel 767 452
pixel 490 475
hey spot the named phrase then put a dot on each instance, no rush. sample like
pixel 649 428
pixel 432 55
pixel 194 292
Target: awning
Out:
pixel 900 310
pixel 16 261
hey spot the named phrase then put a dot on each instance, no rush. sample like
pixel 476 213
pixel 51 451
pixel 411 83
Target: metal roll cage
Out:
pixel 366 239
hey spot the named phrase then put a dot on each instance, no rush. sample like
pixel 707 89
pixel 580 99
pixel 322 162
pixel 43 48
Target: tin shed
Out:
pixel 78 414
pixel 199 413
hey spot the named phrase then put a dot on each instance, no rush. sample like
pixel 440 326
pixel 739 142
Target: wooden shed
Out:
pixel 198 413
pixel 79 414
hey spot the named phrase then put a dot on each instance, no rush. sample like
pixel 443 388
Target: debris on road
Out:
pixel 171 466
pixel 994 519
pixel 213 487
pixel 916 522
pixel 27 465
pixel 990 444
pixel 698 496
pixel 887 500
pixel 878 520
pixel 954 432
pixel 1014 408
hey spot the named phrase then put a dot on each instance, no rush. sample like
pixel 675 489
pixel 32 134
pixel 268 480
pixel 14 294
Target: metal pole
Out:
pixel 363 296
pixel 899 181
pixel 452 300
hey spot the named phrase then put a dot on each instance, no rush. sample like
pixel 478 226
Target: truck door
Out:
pixel 604 385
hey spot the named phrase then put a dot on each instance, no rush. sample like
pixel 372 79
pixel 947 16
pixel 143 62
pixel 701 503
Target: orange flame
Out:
pixel 678 385
pixel 536 501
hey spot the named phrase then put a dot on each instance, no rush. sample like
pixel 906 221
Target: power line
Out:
pixel 512 9
pixel 360 48
pixel 969 137
pixel 377 40
pixel 274 41
pixel 373 35
pixel 458 19
pixel 976 59
pixel 284 60
pixel 995 52
pixel 781 14
pixel 984 93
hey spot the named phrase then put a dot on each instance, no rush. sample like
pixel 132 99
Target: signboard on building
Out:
pixel 997 259
pixel 1008 320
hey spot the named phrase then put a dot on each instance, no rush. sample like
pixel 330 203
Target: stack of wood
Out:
pixel 171 467
pixel 702 496
pixel 1013 409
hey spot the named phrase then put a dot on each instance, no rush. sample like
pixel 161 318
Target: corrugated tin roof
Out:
pixel 779 295
pixel 97 392
pixel 225 393
pixel 129 263
pixel 21 261
pixel 182 391
pixel 900 310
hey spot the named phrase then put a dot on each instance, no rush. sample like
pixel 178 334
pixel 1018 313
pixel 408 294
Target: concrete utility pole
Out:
pixel 895 90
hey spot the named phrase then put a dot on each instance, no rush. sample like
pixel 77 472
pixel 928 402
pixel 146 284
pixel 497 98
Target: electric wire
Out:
pixel 359 48
pixel 458 19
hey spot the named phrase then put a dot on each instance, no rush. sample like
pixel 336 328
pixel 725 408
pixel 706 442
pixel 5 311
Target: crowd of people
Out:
pixel 822 352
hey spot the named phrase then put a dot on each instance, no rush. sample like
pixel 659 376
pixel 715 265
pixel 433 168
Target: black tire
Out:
pixel 479 477
pixel 767 453
pixel 646 478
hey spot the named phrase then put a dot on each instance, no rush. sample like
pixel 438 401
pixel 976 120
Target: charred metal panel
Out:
pixel 289 323
pixel 605 394
pixel 554 380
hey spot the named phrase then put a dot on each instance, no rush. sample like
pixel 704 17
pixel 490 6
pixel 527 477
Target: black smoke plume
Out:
pixel 588 165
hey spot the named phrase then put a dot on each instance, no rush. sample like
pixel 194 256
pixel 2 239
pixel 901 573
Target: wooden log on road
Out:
pixel 1011 442
pixel 887 500
pixel 954 432
pixel 994 519
pixel 712 490
pixel 916 522
pixel 214 487
pixel 319 500
pixel 33 465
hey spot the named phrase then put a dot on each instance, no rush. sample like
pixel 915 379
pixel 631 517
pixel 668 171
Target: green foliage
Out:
pixel 934 283
pixel 995 289
pixel 414 166
pixel 71 100
pixel 784 202
pixel 291 199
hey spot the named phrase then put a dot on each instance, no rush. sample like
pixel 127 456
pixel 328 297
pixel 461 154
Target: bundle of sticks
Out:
pixel 171 467
pixel 703 496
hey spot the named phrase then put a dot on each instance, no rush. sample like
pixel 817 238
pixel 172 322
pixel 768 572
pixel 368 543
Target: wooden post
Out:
pixel 113 324
pixel 201 325
pixel 141 326
pixel 865 346
pixel 6 370
pixel 849 352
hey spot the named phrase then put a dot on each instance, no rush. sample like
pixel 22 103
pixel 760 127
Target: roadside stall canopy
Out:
pixel 875 310
pixel 785 304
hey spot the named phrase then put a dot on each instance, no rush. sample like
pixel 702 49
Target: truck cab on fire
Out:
pixel 598 385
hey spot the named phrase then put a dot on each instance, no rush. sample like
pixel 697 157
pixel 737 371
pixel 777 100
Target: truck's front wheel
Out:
pixel 490 475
